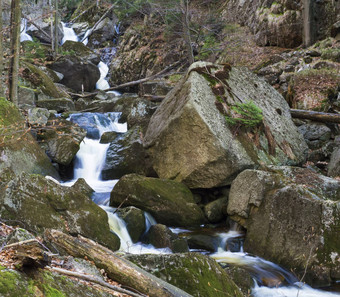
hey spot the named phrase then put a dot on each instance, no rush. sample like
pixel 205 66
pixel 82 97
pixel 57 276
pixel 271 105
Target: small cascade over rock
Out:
pixel 69 34
pixel 23 28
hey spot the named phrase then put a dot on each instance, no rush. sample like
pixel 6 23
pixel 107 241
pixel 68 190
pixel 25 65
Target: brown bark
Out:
pixel 15 49
pixel 118 269
pixel 315 116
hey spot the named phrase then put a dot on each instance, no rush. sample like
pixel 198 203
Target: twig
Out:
pixel 20 243
pixel 94 280
pixel 120 205
pixel 131 83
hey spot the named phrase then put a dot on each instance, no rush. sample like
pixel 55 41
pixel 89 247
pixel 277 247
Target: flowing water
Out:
pixel 102 83
pixel 23 28
pixel 269 278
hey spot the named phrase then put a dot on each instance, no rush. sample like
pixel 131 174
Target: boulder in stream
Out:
pixel 169 202
pixel 79 74
pixel 125 155
pixel 190 140
pixel 39 203
pixel 292 218
pixel 197 274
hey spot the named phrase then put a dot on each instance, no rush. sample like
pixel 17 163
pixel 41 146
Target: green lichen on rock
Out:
pixel 18 150
pixel 62 208
pixel 194 273
pixel 14 284
pixel 40 79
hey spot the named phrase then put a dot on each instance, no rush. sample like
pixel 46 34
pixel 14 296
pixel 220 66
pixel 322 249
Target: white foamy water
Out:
pixel 102 83
pixel 23 28
pixel 69 34
pixel 292 291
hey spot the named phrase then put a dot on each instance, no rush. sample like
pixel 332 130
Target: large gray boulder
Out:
pixel 39 203
pixel 190 141
pixel 197 274
pixel 169 202
pixel 79 74
pixel 292 218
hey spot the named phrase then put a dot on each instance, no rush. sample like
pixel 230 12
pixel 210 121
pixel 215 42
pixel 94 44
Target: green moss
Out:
pixel 9 113
pixel 194 273
pixel 52 292
pixel 13 284
pixel 40 79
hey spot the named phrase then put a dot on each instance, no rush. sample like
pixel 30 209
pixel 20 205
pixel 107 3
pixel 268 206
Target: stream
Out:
pixel 269 278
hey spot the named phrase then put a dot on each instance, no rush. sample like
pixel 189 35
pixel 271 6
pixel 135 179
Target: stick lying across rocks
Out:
pixel 92 279
pixel 315 116
pixel 131 83
pixel 118 269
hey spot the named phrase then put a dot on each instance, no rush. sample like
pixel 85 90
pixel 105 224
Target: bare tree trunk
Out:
pixel 51 24
pixel 15 50
pixel 186 29
pixel 2 84
pixel 56 21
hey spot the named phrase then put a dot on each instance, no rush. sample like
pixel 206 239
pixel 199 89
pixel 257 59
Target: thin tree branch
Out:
pixel 96 24
pixel 94 280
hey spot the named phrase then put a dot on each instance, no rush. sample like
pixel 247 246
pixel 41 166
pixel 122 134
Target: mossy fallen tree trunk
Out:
pixel 118 269
pixel 315 116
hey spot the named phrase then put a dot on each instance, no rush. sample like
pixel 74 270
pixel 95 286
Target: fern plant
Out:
pixel 245 114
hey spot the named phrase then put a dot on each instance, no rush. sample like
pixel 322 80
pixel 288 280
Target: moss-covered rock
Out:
pixel 42 81
pixel 58 104
pixel 43 283
pixel 194 273
pixel 41 203
pixel 18 150
pixel 134 219
pixel 81 50
pixel 169 202
pixel 160 236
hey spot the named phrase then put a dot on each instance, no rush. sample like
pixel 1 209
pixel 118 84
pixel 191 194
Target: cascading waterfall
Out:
pixel 268 277
pixel 69 34
pixel 102 83
pixel 23 28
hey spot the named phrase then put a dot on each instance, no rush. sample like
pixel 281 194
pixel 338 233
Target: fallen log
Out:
pixel 315 116
pixel 118 269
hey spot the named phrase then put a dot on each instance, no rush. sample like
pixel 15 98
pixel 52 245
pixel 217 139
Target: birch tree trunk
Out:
pixel 15 50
